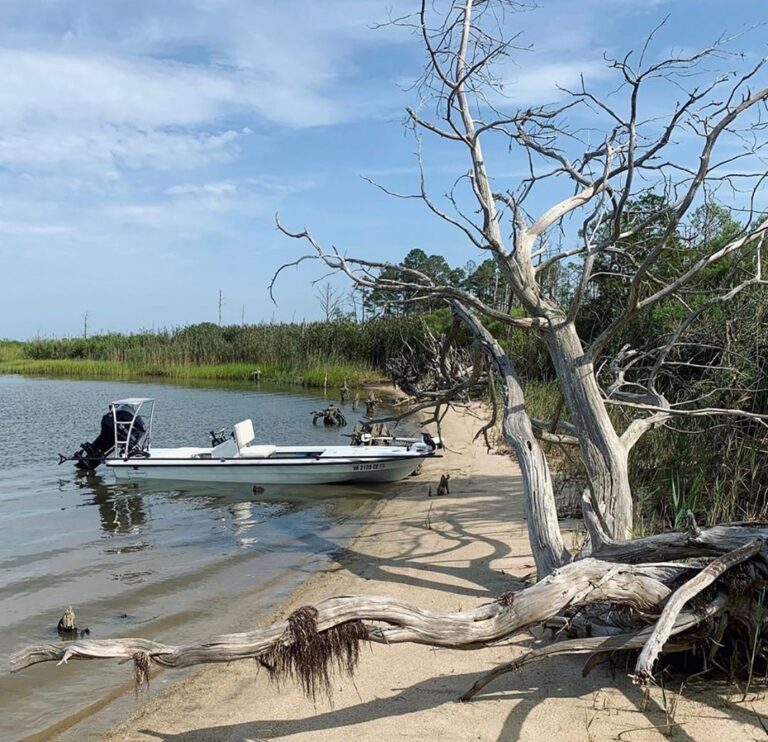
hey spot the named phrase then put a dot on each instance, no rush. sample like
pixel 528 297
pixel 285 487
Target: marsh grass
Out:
pixel 320 374
pixel 718 471
pixel 315 354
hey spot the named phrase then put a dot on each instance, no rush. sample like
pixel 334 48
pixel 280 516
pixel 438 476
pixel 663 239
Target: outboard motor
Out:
pixel 90 455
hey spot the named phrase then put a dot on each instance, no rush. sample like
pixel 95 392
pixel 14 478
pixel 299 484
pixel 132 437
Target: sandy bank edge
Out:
pixel 477 537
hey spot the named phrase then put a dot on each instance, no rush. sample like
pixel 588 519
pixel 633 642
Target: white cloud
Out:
pixel 538 84
pixel 109 86
pixel 32 230
pixel 193 209
pixel 220 188
pixel 103 150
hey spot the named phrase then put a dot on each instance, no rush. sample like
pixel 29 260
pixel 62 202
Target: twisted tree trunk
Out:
pixel 544 534
pixel 581 583
pixel 605 456
pixel 590 589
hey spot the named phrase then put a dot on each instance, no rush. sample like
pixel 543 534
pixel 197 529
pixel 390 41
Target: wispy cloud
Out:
pixel 546 82
pixel 28 229
pixel 104 150
pixel 109 86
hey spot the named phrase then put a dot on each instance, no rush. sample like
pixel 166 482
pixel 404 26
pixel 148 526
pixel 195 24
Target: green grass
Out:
pixel 313 354
pixel 11 351
pixel 315 375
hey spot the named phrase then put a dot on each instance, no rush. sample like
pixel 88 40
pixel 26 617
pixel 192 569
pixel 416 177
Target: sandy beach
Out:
pixel 445 554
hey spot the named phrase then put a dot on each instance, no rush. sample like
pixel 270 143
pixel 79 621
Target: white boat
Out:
pixel 124 447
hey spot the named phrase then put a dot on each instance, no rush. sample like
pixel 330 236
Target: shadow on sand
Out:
pixel 469 516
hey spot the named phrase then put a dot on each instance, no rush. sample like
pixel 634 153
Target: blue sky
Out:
pixel 145 146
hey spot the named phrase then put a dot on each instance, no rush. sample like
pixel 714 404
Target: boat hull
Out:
pixel 267 472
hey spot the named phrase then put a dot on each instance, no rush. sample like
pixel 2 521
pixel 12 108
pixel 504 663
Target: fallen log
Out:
pixel 705 542
pixel 642 602
pixel 580 583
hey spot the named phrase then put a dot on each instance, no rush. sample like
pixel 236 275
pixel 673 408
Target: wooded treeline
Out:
pixel 716 467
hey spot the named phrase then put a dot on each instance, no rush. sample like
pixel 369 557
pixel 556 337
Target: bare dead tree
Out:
pixel 331 300
pixel 599 154
pixel 637 153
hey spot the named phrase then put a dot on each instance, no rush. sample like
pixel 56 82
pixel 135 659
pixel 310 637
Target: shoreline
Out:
pixel 366 564
pixel 329 376
pixel 442 554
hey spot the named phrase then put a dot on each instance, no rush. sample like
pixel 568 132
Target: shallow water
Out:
pixel 155 560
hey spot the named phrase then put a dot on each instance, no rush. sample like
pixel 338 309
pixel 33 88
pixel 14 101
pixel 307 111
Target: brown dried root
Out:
pixel 141 670
pixel 308 656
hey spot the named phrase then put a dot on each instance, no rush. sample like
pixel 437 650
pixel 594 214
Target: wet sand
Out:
pixel 477 540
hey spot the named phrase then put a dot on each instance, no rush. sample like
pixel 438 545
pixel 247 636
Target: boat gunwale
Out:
pixel 151 461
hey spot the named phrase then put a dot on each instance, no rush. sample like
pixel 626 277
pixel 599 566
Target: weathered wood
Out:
pixel 580 583
pixel 331 416
pixel 709 542
pixel 663 628
pixel 67 623
pixel 546 541
pixel 600 644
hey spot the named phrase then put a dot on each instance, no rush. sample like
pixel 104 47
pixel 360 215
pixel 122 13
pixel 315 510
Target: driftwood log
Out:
pixel 626 596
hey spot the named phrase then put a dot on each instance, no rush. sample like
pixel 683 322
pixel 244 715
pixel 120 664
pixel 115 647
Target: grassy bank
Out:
pixel 332 374
pixel 313 354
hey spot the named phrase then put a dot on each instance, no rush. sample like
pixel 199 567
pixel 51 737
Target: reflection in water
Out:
pixel 242 522
pixel 119 512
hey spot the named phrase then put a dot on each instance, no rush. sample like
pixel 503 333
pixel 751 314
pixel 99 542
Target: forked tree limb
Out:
pixel 580 583
pixel 600 644
pixel 663 628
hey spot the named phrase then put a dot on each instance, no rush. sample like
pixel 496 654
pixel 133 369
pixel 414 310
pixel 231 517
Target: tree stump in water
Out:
pixel 371 404
pixel 67 625
pixel 344 392
pixel 370 435
pixel 380 433
pixel 331 416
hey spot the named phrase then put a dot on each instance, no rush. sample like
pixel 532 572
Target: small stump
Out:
pixel 331 416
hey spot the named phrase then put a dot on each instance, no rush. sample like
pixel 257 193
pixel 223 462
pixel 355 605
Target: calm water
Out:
pixel 142 559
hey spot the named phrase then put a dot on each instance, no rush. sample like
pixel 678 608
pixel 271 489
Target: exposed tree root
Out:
pixel 600 645
pixel 141 669
pixel 663 628
pixel 309 656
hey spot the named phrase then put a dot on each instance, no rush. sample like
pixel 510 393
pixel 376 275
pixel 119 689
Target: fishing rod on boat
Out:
pixel 219 436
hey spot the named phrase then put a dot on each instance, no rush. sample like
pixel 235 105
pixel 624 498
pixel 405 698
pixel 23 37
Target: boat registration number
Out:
pixel 367 467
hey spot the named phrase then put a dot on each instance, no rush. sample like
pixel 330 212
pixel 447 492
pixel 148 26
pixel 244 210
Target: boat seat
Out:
pixel 257 452
pixel 244 434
